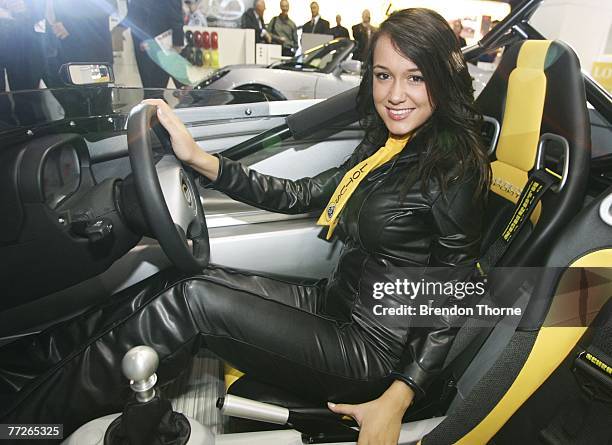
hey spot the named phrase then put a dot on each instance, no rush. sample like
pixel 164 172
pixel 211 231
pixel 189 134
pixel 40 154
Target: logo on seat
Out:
pixel 506 187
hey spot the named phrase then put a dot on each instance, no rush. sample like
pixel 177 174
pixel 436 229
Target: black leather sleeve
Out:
pixel 278 194
pixel 457 218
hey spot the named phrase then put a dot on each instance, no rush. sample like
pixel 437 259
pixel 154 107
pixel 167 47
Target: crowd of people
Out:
pixel 282 30
pixel 45 34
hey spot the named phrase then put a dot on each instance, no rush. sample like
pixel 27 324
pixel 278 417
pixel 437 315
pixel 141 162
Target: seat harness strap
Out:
pixel 539 183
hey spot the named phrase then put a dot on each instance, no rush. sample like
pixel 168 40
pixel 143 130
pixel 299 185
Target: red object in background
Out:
pixel 197 39
pixel 206 39
pixel 214 40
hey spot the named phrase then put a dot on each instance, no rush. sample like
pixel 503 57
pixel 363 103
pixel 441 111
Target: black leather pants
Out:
pixel 272 330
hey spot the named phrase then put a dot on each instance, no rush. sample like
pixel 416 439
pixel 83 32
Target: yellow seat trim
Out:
pixel 231 375
pixel 520 133
pixel 551 347
pixel 600 258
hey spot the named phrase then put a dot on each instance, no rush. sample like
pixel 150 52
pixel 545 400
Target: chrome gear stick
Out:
pixel 147 418
pixel 138 366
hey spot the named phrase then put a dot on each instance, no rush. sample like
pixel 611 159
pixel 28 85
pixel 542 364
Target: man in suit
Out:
pixel 82 29
pixel 20 51
pixel 316 25
pixel 339 31
pixel 362 33
pixel 146 20
pixel 253 19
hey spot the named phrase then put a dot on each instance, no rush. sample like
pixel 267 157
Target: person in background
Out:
pixel 339 31
pixel 316 25
pixel 147 19
pixel 20 61
pixel 195 16
pixel 253 19
pixel 20 52
pixel 284 31
pixel 362 34
pixel 83 31
pixel 457 28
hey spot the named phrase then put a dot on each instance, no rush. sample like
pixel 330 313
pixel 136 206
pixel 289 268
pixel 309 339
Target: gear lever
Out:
pixel 149 418
pixel 139 366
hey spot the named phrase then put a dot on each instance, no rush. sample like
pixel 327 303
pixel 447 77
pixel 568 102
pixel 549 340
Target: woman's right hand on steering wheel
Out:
pixel 185 148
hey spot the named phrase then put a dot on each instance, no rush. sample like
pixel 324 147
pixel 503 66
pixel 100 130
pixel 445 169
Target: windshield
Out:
pixel 322 57
pixel 24 111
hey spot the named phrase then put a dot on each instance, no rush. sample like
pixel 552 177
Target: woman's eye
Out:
pixel 416 79
pixel 381 76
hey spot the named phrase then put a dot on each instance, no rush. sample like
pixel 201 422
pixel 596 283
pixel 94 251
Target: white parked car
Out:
pixel 318 73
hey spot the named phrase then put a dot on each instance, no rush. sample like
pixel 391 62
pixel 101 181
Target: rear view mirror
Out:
pixel 86 74
pixel 351 66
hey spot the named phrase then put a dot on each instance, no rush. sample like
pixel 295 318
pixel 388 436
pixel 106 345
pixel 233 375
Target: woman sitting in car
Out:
pixel 411 195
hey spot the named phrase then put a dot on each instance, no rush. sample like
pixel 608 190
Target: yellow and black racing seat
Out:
pixel 535 110
pixel 552 381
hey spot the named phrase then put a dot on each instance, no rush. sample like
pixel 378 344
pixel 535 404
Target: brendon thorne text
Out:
pixel 436 298
pixel 480 310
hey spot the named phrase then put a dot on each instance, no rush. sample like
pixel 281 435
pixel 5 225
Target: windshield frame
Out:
pixel 342 46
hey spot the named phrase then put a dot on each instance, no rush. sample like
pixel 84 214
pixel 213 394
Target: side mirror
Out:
pixel 86 74
pixel 351 66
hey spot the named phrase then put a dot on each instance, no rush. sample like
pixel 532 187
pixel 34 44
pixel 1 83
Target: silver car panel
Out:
pixel 291 84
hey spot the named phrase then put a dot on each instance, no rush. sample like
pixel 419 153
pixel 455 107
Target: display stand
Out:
pixel 265 54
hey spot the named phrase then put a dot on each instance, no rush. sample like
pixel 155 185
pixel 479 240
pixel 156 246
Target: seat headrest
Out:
pixel 520 132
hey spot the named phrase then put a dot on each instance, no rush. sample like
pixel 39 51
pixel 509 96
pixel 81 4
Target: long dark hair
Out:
pixel 450 138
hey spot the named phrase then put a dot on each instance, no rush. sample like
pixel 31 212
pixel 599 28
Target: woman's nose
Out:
pixel 397 94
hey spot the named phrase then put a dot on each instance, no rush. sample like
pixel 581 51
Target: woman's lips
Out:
pixel 398 114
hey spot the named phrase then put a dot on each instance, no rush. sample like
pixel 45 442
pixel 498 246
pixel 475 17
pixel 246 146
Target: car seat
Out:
pixel 537 94
pixel 550 383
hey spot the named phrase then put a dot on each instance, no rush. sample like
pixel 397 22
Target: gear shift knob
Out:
pixel 139 365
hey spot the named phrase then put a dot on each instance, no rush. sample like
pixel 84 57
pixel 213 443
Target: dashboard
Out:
pixel 61 174
pixel 59 226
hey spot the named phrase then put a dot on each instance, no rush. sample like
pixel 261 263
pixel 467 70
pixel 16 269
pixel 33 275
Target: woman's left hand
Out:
pixel 380 420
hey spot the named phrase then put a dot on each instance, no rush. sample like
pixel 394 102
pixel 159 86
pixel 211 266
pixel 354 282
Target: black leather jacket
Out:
pixel 383 232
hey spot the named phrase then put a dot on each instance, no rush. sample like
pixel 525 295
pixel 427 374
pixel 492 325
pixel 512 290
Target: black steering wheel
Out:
pixel 167 193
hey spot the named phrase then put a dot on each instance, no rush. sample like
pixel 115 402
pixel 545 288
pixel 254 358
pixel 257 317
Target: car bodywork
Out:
pixel 316 74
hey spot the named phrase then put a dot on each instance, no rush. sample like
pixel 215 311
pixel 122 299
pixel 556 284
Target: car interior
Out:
pixel 77 202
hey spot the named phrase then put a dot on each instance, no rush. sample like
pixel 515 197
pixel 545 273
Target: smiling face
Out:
pixel 399 90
